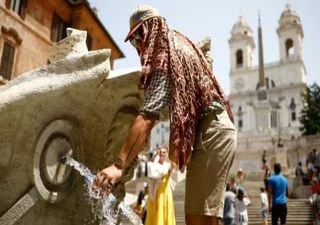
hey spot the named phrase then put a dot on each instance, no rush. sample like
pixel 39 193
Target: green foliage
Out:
pixel 310 114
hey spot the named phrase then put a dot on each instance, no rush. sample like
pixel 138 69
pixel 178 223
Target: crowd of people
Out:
pixel 236 201
pixel 311 177
pixel 273 199
pixel 154 209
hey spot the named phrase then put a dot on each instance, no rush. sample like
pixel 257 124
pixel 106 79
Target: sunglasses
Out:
pixel 135 39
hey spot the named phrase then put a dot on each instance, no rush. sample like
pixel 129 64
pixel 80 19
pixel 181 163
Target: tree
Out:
pixel 310 114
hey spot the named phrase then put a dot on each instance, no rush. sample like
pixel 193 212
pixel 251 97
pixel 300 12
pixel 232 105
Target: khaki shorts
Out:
pixel 212 156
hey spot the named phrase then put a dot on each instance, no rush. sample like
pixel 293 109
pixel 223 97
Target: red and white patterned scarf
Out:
pixel 194 87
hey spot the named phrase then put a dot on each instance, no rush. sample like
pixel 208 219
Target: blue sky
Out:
pixel 215 18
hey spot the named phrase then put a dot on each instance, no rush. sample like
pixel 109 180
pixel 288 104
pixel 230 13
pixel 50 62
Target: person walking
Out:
pixel 229 201
pixel 203 138
pixel 278 191
pixel 241 208
pixel 264 206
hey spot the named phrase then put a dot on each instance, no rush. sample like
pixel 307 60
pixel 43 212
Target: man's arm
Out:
pixel 136 140
pixel 269 197
pixel 157 97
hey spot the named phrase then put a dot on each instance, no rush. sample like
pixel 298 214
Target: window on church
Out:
pixel 267 83
pixel 273 119
pixel 293 110
pixel 293 116
pixel 240 124
pixel 239 58
pixel 240 121
pixel 7 60
pixel 289 48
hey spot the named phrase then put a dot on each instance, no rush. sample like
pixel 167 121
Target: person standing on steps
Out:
pixel 264 206
pixel 278 191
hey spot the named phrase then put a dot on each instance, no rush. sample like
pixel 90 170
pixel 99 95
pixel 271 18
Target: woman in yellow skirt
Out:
pixel 160 210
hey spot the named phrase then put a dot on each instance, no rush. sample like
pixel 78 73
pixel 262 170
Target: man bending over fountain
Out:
pixel 202 135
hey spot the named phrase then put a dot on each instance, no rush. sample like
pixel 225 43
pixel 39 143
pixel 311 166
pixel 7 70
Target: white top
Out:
pixel 264 201
pixel 241 213
pixel 156 171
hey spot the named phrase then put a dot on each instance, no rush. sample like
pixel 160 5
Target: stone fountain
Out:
pixel 76 106
pixel 73 106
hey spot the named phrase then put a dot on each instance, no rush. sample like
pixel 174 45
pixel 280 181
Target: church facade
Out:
pixel 266 98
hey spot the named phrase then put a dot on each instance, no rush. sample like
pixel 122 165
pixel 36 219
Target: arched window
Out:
pixel 293 110
pixel 239 58
pixel 240 124
pixel 240 120
pixel 289 48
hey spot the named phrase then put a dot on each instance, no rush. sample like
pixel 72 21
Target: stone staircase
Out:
pixel 299 210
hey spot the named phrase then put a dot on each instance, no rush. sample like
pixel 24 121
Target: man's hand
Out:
pixel 106 178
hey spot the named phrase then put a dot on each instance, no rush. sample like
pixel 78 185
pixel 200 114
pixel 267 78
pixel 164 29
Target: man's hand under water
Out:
pixel 106 179
pixel 137 138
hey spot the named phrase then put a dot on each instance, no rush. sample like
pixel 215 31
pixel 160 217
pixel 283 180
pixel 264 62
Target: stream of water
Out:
pixel 105 209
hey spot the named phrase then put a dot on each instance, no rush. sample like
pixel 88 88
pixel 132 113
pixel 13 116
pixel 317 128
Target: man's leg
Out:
pixel 202 220
pixel 208 169
pixel 283 214
pixel 264 215
pixel 275 215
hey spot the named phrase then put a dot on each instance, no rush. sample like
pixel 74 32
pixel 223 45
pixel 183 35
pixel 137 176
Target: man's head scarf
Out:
pixel 194 87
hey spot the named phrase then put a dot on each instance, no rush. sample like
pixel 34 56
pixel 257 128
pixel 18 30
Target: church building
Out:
pixel 266 98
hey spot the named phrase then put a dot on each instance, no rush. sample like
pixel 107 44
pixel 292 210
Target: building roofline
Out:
pixel 87 5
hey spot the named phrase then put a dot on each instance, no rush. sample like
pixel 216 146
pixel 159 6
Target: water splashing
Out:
pixel 105 209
